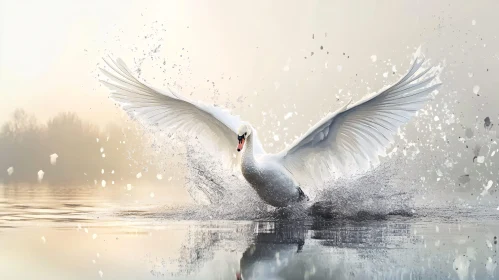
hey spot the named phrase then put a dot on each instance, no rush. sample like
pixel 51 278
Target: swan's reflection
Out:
pixel 325 250
pixel 274 247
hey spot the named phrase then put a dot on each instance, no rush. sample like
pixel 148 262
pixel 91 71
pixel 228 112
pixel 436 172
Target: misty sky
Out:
pixel 253 57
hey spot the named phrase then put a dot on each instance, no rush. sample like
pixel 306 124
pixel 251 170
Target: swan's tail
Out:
pixel 302 196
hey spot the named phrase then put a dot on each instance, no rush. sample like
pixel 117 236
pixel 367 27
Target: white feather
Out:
pixel 360 133
pixel 169 111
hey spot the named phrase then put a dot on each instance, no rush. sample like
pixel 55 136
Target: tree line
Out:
pixel 70 151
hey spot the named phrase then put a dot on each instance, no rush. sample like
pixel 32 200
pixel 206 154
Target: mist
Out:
pixel 70 151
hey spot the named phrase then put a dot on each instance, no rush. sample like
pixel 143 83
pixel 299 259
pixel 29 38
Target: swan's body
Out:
pixel 356 134
pixel 273 183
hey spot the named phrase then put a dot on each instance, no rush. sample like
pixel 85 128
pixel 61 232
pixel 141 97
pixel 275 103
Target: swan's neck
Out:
pixel 248 159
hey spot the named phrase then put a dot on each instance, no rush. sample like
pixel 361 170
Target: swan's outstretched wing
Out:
pixel 360 133
pixel 171 112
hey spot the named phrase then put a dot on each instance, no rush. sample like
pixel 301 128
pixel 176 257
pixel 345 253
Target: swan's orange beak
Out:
pixel 238 276
pixel 240 145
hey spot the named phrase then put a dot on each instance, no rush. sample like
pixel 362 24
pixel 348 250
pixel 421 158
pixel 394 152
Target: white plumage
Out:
pixel 353 135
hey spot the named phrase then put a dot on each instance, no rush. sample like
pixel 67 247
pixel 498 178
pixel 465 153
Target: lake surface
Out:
pixel 92 233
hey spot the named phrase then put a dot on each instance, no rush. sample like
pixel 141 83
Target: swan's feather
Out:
pixel 171 112
pixel 355 136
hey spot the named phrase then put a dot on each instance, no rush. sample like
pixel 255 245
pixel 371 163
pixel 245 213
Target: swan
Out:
pixel 356 134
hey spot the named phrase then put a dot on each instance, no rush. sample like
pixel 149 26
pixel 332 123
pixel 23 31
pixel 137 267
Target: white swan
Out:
pixel 356 133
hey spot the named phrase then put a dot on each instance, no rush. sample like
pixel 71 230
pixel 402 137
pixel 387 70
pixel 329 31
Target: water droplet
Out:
pixel 476 89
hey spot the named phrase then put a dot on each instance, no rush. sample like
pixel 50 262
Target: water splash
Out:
pixel 376 193
pixel 221 192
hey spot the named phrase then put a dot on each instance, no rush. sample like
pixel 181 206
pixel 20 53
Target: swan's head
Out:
pixel 242 134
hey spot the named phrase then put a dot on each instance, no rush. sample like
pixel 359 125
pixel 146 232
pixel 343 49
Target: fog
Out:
pixel 282 66
pixel 72 152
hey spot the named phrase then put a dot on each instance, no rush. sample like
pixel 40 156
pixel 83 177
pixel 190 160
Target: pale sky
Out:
pixel 253 51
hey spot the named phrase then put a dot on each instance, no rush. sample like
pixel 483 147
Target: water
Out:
pixel 94 232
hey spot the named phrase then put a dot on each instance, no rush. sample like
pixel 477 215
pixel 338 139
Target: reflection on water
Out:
pixel 82 233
